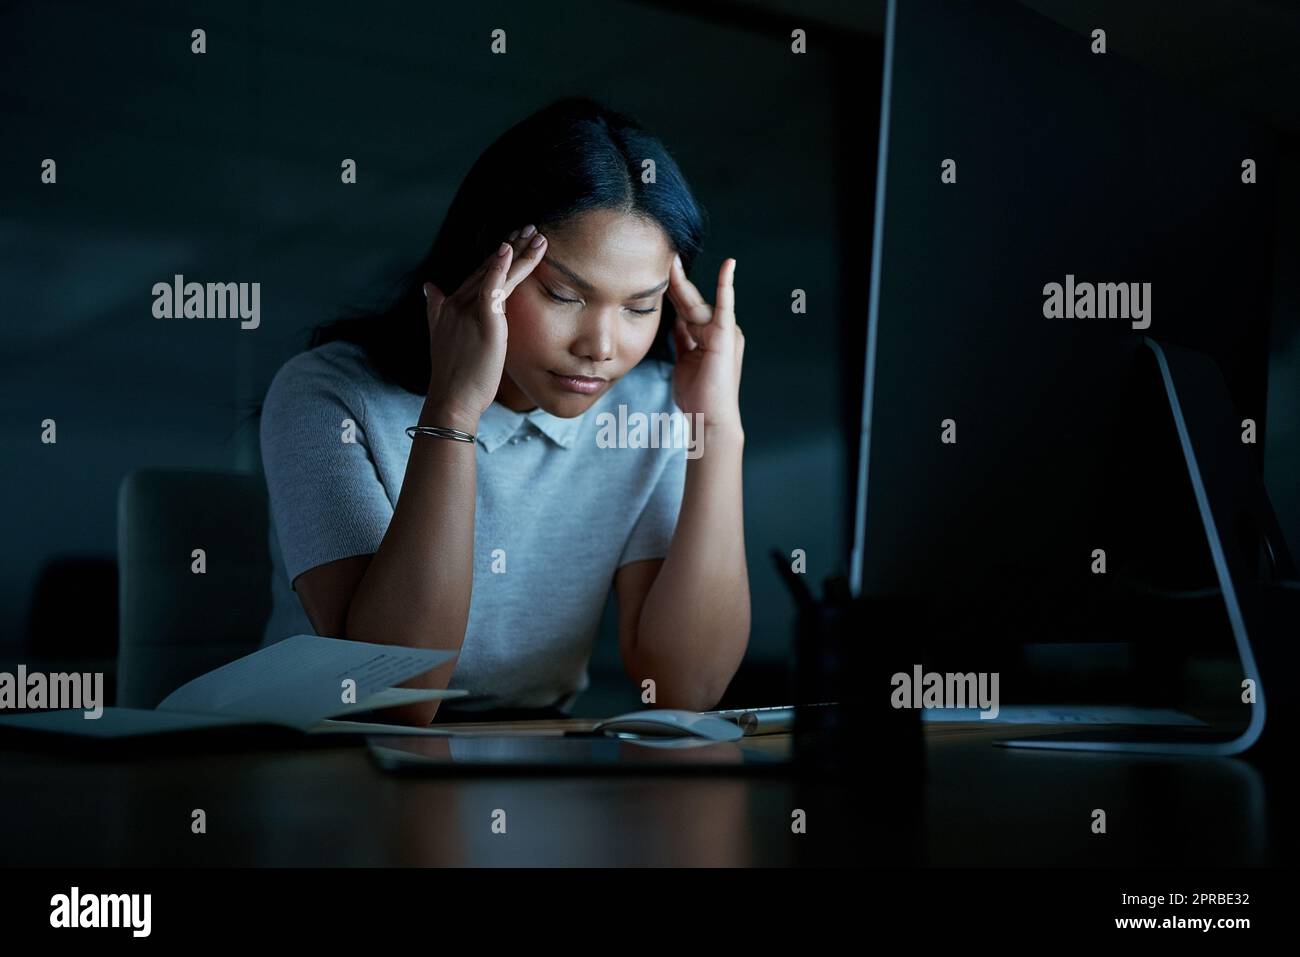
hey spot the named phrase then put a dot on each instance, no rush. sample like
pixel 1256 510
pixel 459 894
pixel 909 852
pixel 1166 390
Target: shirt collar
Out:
pixel 497 425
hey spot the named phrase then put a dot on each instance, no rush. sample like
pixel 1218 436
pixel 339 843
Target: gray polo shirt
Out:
pixel 557 513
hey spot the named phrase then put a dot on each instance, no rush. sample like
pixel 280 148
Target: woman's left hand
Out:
pixel 710 348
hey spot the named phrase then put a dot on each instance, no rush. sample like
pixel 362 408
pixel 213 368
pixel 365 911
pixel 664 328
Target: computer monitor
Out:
pixel 1043 209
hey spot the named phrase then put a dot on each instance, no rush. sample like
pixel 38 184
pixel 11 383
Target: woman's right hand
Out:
pixel 467 331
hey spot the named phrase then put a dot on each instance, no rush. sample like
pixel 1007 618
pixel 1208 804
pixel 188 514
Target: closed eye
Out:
pixel 558 298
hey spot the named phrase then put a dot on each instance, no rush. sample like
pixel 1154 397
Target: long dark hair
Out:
pixel 568 158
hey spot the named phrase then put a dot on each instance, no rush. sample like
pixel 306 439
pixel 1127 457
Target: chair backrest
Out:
pixel 182 613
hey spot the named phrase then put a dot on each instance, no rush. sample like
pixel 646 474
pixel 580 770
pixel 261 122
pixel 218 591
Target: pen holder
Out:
pixel 858 762
pixel 846 652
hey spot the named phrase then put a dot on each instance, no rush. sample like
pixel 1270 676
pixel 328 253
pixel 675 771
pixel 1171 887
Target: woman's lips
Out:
pixel 586 385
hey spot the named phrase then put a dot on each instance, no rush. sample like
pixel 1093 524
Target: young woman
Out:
pixel 555 291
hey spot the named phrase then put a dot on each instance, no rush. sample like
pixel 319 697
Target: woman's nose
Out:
pixel 596 338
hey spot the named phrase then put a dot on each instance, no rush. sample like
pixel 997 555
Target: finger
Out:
pixel 491 294
pixel 685 341
pixel 520 243
pixel 690 304
pixel 726 299
pixel 434 299
pixel 468 290
pixel 532 248
pixel 716 338
pixel 740 354
pixel 519 239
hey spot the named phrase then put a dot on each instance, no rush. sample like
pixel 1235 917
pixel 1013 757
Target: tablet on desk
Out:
pixel 485 753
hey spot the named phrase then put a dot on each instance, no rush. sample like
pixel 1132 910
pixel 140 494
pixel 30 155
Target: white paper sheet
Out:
pixel 299 681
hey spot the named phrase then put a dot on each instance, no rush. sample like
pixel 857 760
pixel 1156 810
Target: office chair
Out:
pixel 176 623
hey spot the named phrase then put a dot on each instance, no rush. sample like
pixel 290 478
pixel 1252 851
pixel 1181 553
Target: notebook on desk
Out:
pixel 302 685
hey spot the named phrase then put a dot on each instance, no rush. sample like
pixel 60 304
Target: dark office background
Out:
pixel 225 167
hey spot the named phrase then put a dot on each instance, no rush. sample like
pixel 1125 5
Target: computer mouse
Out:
pixel 672 723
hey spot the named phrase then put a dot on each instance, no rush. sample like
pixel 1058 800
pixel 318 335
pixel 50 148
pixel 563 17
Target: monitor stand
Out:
pixel 1237 518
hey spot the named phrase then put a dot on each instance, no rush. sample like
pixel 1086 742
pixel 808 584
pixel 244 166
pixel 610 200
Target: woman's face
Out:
pixel 590 308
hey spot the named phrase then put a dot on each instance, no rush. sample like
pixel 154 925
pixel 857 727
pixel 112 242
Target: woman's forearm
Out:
pixel 416 589
pixel 694 625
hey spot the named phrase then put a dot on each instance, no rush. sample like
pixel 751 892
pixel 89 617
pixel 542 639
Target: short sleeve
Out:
pixel 653 531
pixel 326 499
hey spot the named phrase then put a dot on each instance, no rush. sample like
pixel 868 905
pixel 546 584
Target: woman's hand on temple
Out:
pixel 710 349
pixel 467 330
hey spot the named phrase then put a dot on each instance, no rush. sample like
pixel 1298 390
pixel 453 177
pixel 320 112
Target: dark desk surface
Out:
pixel 978 805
